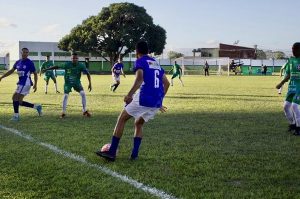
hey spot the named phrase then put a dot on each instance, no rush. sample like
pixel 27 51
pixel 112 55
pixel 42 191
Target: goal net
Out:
pixel 195 65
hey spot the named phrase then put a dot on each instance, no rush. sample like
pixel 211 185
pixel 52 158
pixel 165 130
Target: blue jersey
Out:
pixel 24 69
pixel 117 69
pixel 152 89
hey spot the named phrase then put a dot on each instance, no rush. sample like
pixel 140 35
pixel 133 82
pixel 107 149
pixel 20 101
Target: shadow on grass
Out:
pixel 207 152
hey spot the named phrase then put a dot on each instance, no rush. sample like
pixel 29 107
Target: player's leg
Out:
pixel 16 106
pixel 55 83
pixel 116 85
pixel 19 95
pixel 46 78
pixel 80 90
pixel 280 90
pixel 138 134
pixel 117 134
pixel 67 90
pixel 118 131
pixel 287 108
pixel 180 80
pixel 173 76
pixel 296 112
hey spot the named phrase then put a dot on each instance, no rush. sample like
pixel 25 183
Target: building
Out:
pixel 226 50
pixel 39 50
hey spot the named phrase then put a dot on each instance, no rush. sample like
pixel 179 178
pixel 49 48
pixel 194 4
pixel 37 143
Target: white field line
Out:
pixel 153 191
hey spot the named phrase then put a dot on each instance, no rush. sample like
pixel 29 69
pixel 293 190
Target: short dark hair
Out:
pixel 296 45
pixel 74 54
pixel 24 49
pixel 142 47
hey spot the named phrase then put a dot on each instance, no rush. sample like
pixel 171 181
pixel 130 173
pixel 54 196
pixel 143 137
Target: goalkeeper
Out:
pixel 48 74
pixel 177 71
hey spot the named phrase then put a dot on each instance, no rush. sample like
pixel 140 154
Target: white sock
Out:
pixel 171 82
pixel 287 107
pixel 279 90
pixel 295 108
pixel 55 87
pixel 83 100
pixel 16 114
pixel 65 102
pixel 46 88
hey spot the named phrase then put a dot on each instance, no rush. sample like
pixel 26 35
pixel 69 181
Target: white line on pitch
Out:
pixel 124 178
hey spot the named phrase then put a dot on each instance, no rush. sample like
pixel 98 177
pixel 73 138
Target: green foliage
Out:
pixel 115 32
pixel 260 54
pixel 279 55
pixel 222 137
pixel 174 55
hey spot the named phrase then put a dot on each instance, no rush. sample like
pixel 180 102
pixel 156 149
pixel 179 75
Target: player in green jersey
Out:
pixel 177 71
pixel 48 74
pixel 73 70
pixel 282 73
pixel 292 101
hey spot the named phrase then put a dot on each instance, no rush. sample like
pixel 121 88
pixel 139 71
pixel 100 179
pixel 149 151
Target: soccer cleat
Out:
pixel 45 92
pixel 62 116
pixel 297 131
pixel 292 127
pixel 86 114
pixel 39 109
pixel 133 158
pixel 15 118
pixel 57 92
pixel 106 155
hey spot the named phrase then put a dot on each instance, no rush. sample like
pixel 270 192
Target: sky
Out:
pixel 269 24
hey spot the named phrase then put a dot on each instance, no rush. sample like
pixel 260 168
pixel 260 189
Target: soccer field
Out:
pixel 222 137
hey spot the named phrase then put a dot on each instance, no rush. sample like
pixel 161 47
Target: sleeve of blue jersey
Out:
pixel 138 65
pixel 15 65
pixel 32 67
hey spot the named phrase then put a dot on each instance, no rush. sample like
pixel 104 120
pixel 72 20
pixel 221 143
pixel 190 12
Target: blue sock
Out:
pixel 27 104
pixel 136 145
pixel 16 106
pixel 114 145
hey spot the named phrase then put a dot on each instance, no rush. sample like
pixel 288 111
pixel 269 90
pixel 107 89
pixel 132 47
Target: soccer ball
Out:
pixel 105 147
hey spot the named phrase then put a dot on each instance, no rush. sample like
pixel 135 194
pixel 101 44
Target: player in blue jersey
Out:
pixel 25 67
pixel 116 71
pixel 142 105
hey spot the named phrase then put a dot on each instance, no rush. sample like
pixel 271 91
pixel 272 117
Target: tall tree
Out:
pixel 174 55
pixel 260 54
pixel 279 55
pixel 114 32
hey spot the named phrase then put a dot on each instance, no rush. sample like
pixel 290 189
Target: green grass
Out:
pixel 222 137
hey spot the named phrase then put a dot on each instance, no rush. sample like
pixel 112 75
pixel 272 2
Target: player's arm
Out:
pixel 51 68
pixel 136 85
pixel 41 69
pixel 35 77
pixel 166 84
pixel 123 72
pixel 171 70
pixel 285 79
pixel 90 81
pixel 180 70
pixel 8 73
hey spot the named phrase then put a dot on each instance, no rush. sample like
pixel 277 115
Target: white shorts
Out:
pixel 137 111
pixel 116 78
pixel 23 90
